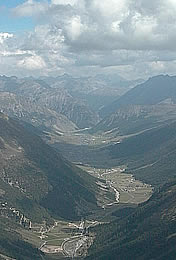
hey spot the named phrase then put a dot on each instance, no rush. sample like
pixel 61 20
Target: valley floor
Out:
pixel 126 187
pixel 63 239
pixel 72 239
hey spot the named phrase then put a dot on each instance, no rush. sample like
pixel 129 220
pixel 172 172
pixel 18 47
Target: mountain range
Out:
pixel 41 117
pixel 145 106
pixel 137 131
pixel 132 119
pixel 54 98
pixel 97 91
pixel 151 92
pixel 64 102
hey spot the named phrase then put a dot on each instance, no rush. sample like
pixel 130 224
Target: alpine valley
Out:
pixel 87 168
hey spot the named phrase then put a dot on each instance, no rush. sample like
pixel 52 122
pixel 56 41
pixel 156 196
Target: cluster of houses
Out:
pixel 11 212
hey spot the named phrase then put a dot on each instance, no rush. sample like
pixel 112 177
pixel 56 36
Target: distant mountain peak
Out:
pixel 151 92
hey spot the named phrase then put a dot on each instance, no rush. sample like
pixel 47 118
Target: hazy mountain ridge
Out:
pixel 97 91
pixel 79 99
pixel 90 85
pixel 60 101
pixel 135 118
pixel 57 99
pixel 29 111
pixel 152 91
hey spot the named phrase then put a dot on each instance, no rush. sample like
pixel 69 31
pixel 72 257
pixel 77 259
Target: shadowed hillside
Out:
pixel 34 176
pixel 148 233
pixel 153 91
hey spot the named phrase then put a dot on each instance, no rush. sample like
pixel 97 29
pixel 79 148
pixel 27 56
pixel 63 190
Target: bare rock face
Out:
pixel 78 99
pixel 62 102
pixel 49 98
pixel 131 119
pixel 29 111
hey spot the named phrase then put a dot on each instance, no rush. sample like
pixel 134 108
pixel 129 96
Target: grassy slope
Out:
pixel 48 186
pixel 148 233
pixel 50 181
pixel 12 245
pixel 150 155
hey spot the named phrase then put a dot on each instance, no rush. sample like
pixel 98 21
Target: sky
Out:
pixel 135 39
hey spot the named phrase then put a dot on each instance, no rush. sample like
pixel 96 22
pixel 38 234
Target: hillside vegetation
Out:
pixel 149 155
pixel 148 233
pixel 37 180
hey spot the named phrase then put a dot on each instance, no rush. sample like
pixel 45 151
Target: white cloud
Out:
pixel 74 28
pixel 108 24
pixel 64 2
pixel 30 8
pixel 32 63
pixel 83 35
pixel 5 36
pixel 45 38
pixel 158 66
pixel 112 9
pixel 14 53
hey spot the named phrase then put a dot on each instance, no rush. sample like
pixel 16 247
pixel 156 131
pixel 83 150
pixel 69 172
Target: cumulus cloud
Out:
pixel 74 28
pixel 64 2
pixel 32 63
pixel 30 8
pixel 4 36
pixel 109 24
pixel 134 38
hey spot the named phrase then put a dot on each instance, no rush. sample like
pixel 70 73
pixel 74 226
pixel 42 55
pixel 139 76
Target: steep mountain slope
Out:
pixel 134 118
pixel 75 110
pixel 37 186
pixel 97 91
pixel 149 155
pixel 12 244
pixel 148 233
pixel 79 99
pixel 36 180
pixel 39 116
pixel 55 98
pixel 153 91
